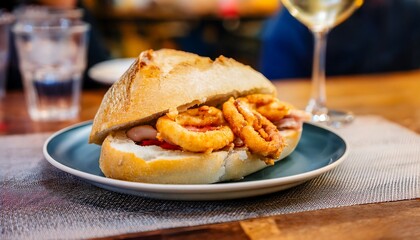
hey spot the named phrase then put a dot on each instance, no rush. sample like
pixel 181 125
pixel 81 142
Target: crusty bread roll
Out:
pixel 164 80
pixel 167 81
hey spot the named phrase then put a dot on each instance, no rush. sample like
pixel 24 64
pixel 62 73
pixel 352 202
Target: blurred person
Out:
pixel 381 36
pixel 96 50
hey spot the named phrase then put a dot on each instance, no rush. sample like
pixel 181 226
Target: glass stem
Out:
pixel 317 103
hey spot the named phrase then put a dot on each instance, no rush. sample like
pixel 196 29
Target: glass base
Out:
pixel 334 118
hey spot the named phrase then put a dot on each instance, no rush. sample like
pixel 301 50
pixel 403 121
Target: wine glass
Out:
pixel 320 16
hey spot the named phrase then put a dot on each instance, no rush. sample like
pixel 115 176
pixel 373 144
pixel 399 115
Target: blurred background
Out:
pixel 381 36
pixel 205 27
pixel 124 28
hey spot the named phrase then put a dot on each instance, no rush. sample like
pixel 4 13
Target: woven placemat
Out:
pixel 38 201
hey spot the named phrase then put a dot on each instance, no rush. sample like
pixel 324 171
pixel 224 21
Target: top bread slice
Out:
pixel 170 80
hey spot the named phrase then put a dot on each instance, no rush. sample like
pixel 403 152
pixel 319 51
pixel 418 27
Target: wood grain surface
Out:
pixel 395 96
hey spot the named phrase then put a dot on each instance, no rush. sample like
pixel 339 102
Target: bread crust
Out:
pixel 165 80
pixel 180 167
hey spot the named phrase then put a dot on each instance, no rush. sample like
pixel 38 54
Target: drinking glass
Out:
pixel 52 58
pixel 320 16
pixel 6 20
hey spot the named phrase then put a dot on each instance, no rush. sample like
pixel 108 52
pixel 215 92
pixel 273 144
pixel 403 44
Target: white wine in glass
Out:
pixel 320 16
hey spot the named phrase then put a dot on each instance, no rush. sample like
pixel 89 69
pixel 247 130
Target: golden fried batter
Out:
pixel 197 130
pixel 257 132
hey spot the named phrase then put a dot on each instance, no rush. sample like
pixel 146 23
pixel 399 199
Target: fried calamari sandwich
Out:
pixel 179 118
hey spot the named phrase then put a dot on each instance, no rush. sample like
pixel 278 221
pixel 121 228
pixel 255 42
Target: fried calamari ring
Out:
pixel 201 117
pixel 268 106
pixel 258 133
pixel 200 129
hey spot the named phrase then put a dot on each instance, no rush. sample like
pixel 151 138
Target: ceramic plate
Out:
pixel 110 71
pixel 319 151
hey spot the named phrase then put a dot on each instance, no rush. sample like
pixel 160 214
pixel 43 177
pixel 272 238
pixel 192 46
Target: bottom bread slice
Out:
pixel 123 159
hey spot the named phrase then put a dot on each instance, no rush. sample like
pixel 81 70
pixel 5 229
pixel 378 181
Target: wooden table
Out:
pixel 394 96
